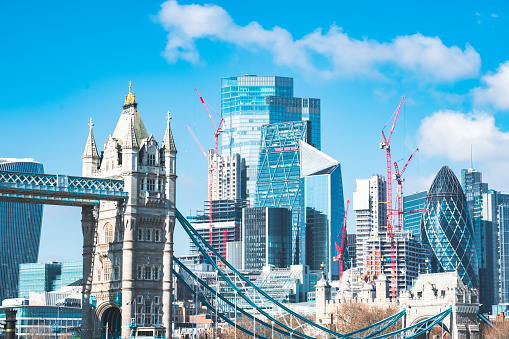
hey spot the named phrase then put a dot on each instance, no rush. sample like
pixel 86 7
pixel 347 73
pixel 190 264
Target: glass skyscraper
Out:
pixel 266 233
pixel 412 221
pixel 20 226
pixel 448 229
pixel 323 210
pixel 250 101
pixel 278 182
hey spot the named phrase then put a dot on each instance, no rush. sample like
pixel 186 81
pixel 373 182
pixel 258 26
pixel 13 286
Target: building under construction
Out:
pixel 226 224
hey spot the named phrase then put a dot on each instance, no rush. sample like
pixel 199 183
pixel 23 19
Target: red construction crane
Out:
pixel 343 241
pixel 385 144
pixel 399 195
pixel 218 129
pixel 211 167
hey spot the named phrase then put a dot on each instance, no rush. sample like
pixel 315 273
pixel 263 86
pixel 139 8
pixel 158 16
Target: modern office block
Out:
pixel 412 221
pixel 20 226
pixel 495 225
pixel 370 214
pixel 323 210
pixel 279 177
pixel 447 229
pixel 227 176
pixel 250 101
pixel 48 277
pixel 266 233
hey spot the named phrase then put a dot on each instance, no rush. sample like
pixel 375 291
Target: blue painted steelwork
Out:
pixel 57 189
pixel 250 303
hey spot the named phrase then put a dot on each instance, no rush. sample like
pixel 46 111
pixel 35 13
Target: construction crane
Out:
pixel 219 129
pixel 210 168
pixel 399 195
pixel 385 144
pixel 341 250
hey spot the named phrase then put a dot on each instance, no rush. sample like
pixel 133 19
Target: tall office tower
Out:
pixel 248 102
pixel 227 174
pixel 412 221
pixel 352 253
pixel 502 278
pixel 323 210
pixel 494 285
pixel 226 224
pixel 20 225
pixel 266 233
pixel 447 229
pixel 370 214
pixel 474 190
pixel 279 177
pixel 132 254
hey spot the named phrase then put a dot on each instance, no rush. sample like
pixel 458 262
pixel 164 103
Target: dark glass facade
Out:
pixel 412 221
pixel 20 226
pixel 323 215
pixel 267 237
pixel 448 229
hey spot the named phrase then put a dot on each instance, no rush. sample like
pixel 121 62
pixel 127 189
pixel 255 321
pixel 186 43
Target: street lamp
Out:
pixel 58 304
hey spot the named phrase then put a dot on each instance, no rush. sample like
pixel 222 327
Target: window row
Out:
pixel 148 272
pixel 149 234
pixel 107 274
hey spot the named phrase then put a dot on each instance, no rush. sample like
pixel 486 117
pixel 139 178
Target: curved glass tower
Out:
pixel 20 226
pixel 448 229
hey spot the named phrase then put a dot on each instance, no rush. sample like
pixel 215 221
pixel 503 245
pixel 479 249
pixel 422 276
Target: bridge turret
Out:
pixel 130 149
pixel 90 155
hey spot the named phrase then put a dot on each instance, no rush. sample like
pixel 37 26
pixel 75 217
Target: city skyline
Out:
pixel 57 79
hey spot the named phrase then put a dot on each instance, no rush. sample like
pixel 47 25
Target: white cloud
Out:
pixel 496 89
pixel 450 134
pixel 425 57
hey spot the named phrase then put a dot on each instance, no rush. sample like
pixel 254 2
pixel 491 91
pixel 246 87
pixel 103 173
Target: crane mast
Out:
pixel 385 144
pixel 398 176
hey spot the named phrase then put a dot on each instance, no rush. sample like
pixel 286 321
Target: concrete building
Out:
pixel 411 257
pixel 127 251
pixel 20 225
pixel 250 101
pixel 370 214
pixel 228 172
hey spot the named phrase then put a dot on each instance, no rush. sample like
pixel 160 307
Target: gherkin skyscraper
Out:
pixel 448 229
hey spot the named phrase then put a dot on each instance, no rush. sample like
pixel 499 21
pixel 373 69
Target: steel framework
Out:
pixel 58 189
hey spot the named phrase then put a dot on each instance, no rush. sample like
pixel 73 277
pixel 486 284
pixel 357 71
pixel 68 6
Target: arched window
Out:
pixel 108 233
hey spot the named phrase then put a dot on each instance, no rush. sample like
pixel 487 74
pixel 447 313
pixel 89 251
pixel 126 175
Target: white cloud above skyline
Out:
pixel 424 57
pixel 495 91
pixel 451 134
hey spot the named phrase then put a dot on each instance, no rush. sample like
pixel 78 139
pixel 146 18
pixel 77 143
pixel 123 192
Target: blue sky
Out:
pixel 66 62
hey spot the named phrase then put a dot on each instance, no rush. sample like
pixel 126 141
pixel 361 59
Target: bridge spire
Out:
pixel 130 137
pixel 168 142
pixel 90 147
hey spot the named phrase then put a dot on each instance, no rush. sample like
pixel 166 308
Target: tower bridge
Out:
pixel 127 196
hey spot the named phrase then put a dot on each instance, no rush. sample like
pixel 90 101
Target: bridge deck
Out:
pixel 57 189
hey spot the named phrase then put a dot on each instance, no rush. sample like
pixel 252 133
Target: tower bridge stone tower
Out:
pixel 128 248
